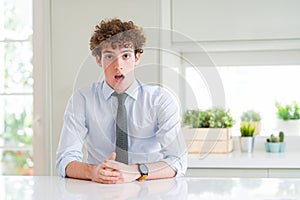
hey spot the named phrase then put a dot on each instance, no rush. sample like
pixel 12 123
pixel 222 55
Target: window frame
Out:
pixel 42 120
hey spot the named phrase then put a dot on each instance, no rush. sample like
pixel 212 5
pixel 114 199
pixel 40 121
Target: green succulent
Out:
pixel 281 136
pixel 274 138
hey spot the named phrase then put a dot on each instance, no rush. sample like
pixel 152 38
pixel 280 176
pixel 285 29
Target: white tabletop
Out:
pixel 53 187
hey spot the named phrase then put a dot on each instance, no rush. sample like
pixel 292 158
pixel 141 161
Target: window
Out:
pixel 247 87
pixel 16 87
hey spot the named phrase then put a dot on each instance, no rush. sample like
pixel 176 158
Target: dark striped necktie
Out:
pixel 121 130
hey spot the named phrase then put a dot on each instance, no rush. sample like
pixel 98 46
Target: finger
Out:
pixel 106 181
pixel 111 164
pixel 102 170
pixel 112 156
pixel 109 173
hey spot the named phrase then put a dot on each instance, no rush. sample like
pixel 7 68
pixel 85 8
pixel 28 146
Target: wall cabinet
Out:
pixel 284 173
pixel 243 173
pixel 256 32
pixel 235 20
pixel 225 172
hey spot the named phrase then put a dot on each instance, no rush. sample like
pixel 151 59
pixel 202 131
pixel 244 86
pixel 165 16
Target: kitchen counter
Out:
pixel 259 159
pixel 53 187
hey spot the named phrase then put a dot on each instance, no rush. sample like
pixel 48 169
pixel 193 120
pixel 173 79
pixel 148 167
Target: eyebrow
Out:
pixel 124 51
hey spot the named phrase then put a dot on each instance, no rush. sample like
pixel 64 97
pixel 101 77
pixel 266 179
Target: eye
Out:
pixel 126 56
pixel 109 57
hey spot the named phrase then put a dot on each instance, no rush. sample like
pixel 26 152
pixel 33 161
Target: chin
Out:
pixel 119 87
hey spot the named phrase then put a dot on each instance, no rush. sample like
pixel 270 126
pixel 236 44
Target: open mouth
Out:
pixel 119 77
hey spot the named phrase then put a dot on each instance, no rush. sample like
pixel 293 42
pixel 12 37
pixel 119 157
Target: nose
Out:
pixel 118 63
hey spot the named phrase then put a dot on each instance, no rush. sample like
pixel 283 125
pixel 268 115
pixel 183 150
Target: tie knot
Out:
pixel 121 97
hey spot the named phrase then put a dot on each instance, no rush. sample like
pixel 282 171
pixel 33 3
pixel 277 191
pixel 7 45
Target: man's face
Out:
pixel 118 65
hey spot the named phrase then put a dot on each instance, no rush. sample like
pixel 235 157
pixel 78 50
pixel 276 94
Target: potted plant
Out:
pixel 275 144
pixel 288 118
pixel 247 129
pixel 252 116
pixel 208 130
pixel 210 118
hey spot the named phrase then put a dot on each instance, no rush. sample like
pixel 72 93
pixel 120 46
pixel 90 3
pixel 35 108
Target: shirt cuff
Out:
pixel 63 164
pixel 178 164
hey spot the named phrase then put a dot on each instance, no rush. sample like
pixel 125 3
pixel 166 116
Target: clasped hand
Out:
pixel 112 172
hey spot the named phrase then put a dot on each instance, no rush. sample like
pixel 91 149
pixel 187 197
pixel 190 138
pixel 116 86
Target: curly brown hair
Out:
pixel 115 32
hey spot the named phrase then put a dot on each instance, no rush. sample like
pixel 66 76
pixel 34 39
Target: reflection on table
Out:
pixel 53 187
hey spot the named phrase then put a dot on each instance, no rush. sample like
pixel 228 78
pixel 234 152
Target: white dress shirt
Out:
pixel 154 127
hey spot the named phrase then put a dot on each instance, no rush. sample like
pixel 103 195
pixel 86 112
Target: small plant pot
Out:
pixel 273 147
pixel 247 144
pixel 282 147
pixel 267 147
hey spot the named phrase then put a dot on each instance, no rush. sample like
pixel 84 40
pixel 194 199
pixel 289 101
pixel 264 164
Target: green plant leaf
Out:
pixel 210 118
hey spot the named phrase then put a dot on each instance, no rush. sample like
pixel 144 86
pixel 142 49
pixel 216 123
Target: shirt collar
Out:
pixel 132 91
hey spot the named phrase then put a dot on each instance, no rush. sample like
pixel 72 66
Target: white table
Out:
pixel 53 187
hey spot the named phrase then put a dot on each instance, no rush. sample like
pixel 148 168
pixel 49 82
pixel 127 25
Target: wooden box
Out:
pixel 208 140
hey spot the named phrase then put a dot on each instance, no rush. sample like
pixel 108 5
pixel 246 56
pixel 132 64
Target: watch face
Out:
pixel 143 169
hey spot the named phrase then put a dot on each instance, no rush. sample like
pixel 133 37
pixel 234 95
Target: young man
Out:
pixel 135 138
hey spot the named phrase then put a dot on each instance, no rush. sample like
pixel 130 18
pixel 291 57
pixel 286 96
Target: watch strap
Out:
pixel 143 172
pixel 142 177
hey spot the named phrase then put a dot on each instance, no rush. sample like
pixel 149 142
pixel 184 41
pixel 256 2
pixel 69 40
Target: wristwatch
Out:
pixel 143 170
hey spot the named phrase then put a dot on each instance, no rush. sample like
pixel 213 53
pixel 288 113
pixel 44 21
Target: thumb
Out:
pixel 112 156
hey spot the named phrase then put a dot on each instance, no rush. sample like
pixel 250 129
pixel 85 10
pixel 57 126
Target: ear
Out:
pixel 137 58
pixel 98 60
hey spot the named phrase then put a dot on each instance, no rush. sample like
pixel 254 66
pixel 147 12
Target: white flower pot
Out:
pixel 289 127
pixel 247 144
